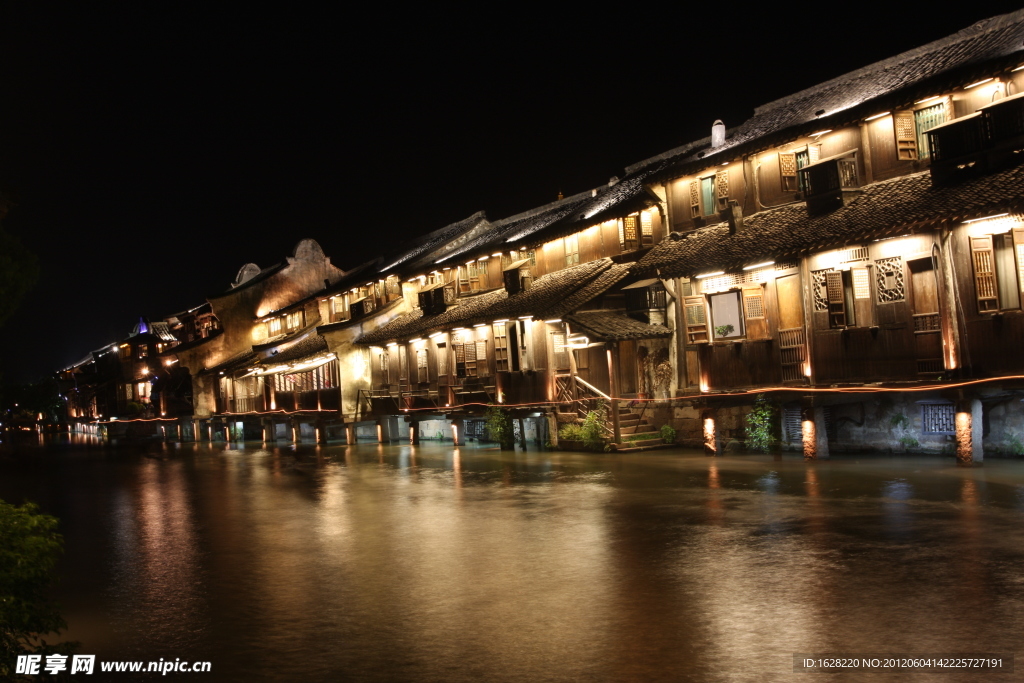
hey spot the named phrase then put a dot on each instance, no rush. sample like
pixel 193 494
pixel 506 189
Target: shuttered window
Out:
pixel 924 120
pixel 646 228
pixel 421 366
pixel 629 234
pixel 694 199
pixel 696 320
pixel 984 274
pixel 722 188
pixel 442 359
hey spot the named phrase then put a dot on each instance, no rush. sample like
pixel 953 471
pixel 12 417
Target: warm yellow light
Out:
pixel 820 133
pixel 759 265
pixel 554 321
pixel 503 320
pixel 480 325
pixel 929 99
pixel 717 272
pixel 877 116
pixel 436 335
pixel 975 85
pixel 498 255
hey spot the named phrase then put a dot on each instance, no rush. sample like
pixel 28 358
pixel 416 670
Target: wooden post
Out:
pixel 414 432
pixel 522 433
pixel 613 389
pixel 350 434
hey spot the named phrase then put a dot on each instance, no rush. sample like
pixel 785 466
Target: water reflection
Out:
pixel 432 563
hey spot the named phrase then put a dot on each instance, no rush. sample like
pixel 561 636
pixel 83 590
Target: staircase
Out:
pixel 637 434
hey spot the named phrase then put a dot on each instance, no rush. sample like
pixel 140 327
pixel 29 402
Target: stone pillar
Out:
pixel 380 432
pixel 812 423
pixel 969 427
pixel 712 445
pixel 551 420
pixel 350 434
pixel 522 433
pixel 458 430
pixel 414 432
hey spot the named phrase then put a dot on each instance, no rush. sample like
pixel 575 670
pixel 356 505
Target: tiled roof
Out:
pixel 893 82
pixel 415 251
pixel 885 208
pixel 614 326
pixel 544 299
pixel 312 345
pixel 239 360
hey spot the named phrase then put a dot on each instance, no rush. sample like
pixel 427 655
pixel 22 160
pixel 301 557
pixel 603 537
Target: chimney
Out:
pixel 734 215
pixel 717 134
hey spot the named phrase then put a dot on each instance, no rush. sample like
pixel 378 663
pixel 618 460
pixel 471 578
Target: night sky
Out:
pixel 152 156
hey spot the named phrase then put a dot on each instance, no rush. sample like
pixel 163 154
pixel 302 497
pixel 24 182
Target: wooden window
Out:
pixel 500 347
pixel 385 365
pixel 1006 272
pixel 465 359
pixel 984 274
pixel 754 312
pixel 695 198
pixel 722 189
pixel 572 250
pixel 422 374
pixel 273 327
pixel 788 171
pixel 726 315
pixel 646 228
pixel 836 296
pixel 707 195
pixel 294 320
pixel 143 350
pixel 442 359
pixel 124 352
pixel 339 308
pixel 628 235
pixel 481 358
pixel 890 280
pixel 696 320
pixel 559 350
pixel 905 130
pixel 128 392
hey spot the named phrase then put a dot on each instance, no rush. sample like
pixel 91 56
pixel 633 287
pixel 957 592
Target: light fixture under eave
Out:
pixel 819 133
pixel 1018 68
pixel 877 116
pixel 436 335
pixel 498 255
pixel 929 99
pixel 704 275
pixel 554 321
pixel 986 218
pixel 975 85
pixel 503 320
pixel 759 265
pixel 526 317
pixel 480 325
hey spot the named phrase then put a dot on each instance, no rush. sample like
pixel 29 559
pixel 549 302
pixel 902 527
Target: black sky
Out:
pixel 152 155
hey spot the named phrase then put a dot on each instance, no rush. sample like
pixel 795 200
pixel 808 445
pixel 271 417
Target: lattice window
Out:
pixel 861 283
pixel 905 132
pixel 646 228
pixel 889 279
pixel 629 235
pixel 787 169
pixel 722 188
pixel 818 289
pixel 421 365
pixel 938 418
pixel 695 198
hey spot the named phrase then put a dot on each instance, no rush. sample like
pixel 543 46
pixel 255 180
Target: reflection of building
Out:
pixel 865 230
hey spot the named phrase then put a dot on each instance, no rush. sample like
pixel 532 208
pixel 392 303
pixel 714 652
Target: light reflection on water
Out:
pixel 428 563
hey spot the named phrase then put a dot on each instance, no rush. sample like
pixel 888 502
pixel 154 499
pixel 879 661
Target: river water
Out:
pixel 399 563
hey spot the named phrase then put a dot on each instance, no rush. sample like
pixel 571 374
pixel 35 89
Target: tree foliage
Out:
pixel 499 426
pixel 19 269
pixel 29 548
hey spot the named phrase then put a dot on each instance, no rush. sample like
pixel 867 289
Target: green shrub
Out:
pixel 570 432
pixel 668 434
pixel 592 429
pixel 899 420
pixel 761 427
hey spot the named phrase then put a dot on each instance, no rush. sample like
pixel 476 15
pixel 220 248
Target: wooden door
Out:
pixel 927 325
